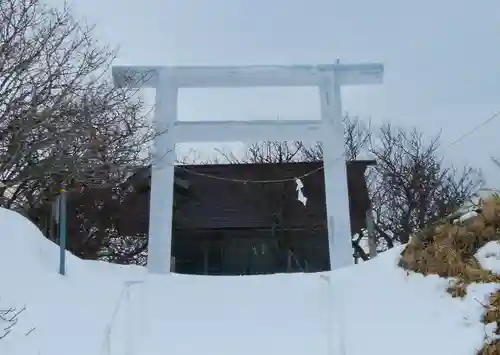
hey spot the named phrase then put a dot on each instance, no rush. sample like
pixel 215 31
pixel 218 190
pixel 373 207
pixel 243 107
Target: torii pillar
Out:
pixel 329 129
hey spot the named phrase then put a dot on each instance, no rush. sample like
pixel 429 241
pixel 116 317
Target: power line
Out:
pixel 474 129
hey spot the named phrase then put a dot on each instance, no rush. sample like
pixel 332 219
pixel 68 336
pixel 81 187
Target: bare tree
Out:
pixel 264 152
pixel 357 137
pixel 61 121
pixel 411 186
pixel 273 152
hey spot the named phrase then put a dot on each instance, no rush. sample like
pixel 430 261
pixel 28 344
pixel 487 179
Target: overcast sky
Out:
pixel 442 58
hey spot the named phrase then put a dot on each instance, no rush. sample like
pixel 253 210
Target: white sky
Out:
pixel 442 58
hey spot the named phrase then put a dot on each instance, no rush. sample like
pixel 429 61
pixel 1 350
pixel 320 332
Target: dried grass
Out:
pixel 491 349
pixel 447 249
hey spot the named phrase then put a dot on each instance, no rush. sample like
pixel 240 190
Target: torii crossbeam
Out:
pixel 329 129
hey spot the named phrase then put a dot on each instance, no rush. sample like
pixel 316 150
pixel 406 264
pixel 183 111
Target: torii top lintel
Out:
pixel 246 76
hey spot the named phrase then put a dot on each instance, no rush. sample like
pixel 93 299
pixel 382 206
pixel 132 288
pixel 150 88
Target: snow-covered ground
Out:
pixel 101 309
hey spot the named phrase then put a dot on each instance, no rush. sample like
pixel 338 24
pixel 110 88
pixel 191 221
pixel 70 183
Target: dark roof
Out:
pixel 222 204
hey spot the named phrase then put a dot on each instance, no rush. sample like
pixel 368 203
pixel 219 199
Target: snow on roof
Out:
pixel 100 308
pixel 365 155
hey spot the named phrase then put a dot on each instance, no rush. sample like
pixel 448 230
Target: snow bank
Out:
pixel 106 309
pixel 489 256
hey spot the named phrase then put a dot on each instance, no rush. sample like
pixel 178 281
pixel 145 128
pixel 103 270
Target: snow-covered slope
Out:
pixel 99 308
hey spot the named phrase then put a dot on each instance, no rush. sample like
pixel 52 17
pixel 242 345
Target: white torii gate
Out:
pixel 330 130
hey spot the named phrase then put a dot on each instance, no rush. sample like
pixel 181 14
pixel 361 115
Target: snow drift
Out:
pixel 98 308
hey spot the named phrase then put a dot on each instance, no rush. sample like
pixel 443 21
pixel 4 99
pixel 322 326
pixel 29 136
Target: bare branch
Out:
pixel 63 122
pixel 411 186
